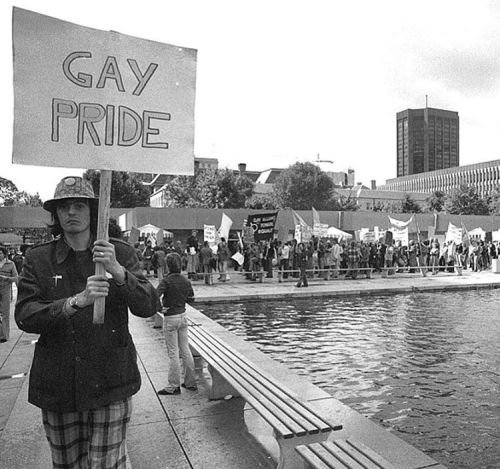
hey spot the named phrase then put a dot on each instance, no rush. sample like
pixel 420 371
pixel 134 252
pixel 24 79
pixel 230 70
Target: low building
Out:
pixel 485 177
pixel 373 199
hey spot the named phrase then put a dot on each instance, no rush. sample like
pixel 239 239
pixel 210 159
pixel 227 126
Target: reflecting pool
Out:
pixel 425 366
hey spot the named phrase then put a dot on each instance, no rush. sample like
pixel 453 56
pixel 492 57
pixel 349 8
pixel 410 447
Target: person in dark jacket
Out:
pixel 83 374
pixel 175 291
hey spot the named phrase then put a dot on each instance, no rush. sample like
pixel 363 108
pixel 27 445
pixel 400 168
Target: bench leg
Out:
pixel 220 387
pixel 289 458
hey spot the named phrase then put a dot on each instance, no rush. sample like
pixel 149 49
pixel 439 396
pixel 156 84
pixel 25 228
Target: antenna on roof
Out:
pixel 426 101
pixel 318 160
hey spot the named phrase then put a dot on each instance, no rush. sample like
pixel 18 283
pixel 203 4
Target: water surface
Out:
pixel 425 366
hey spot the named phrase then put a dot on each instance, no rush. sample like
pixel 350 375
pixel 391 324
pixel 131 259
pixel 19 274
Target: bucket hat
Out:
pixel 71 187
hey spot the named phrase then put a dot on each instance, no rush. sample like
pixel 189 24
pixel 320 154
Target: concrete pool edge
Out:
pixel 404 284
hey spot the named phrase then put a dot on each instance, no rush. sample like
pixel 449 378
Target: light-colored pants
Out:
pixel 175 330
pixel 222 270
pixel 5 299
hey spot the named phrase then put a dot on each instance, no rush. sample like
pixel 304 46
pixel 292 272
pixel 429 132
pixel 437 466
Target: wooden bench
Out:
pixel 341 454
pixel 293 420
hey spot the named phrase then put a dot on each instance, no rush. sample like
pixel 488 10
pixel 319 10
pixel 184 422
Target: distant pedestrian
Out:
pixel 175 291
pixel 301 254
pixel 222 259
pixel 8 276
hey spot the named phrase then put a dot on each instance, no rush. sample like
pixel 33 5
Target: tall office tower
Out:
pixel 427 139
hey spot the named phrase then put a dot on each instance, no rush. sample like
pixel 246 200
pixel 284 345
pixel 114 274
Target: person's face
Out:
pixel 2 256
pixel 74 215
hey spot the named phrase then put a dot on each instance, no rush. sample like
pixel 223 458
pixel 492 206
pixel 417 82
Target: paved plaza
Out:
pixel 189 431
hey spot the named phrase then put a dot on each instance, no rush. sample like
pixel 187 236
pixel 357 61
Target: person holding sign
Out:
pixel 83 374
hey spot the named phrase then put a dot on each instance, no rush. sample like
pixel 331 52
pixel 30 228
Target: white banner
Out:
pixel 399 223
pixel 225 226
pixel 85 98
pixel 454 233
pixel 400 234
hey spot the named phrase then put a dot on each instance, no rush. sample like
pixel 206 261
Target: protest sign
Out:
pixel 262 225
pixel 85 98
pixel 209 234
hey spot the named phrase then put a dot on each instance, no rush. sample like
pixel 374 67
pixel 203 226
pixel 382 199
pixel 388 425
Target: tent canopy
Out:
pixel 333 232
pixel 150 229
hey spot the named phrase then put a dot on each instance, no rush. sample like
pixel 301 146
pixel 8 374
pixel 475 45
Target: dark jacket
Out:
pixel 177 291
pixel 79 365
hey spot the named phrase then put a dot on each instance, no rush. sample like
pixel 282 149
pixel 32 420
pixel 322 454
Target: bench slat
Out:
pixel 269 383
pixel 283 402
pixel 310 457
pixel 362 452
pixel 336 457
pixel 342 454
pixel 306 419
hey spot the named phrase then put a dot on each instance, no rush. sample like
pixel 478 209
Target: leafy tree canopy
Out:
pixel 209 188
pixel 466 201
pixel 435 202
pixel 409 205
pixel 302 186
pixel 127 190
pixel 11 196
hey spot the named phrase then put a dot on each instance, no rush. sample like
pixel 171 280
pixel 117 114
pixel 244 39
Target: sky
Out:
pixel 282 81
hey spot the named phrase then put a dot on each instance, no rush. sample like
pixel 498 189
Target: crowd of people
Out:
pixel 320 257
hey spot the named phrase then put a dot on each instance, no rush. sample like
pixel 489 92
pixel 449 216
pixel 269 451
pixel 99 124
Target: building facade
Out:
pixel 427 140
pixel 483 176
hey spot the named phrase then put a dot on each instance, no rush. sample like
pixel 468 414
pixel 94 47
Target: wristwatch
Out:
pixel 73 303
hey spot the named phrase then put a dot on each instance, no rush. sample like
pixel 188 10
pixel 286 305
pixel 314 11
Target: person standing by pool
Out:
pixel 192 248
pixel 83 374
pixel 8 276
pixel 175 291
pixel 222 259
pixel 301 254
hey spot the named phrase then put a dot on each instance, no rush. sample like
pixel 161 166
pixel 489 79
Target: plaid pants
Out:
pixel 89 440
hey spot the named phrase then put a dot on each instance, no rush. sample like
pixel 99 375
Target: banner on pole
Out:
pixel 454 233
pixel 225 226
pixel 85 98
pixel 262 225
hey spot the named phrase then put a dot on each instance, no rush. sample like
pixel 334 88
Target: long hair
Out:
pixel 56 229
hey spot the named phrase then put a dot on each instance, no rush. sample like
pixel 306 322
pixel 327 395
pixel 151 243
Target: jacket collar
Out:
pixel 63 249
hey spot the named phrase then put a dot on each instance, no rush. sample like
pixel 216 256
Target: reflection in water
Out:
pixel 425 366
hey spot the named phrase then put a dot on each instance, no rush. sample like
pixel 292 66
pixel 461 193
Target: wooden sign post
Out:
pixel 102 233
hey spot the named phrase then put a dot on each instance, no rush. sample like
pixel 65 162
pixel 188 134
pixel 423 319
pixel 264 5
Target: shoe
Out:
pixel 3 340
pixel 191 388
pixel 169 392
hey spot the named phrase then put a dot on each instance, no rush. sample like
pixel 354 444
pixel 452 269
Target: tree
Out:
pixel 435 202
pixel 494 201
pixel 302 186
pixel 409 205
pixel 261 202
pixel 11 196
pixel 209 188
pixel 466 201
pixel 343 203
pixel 127 190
